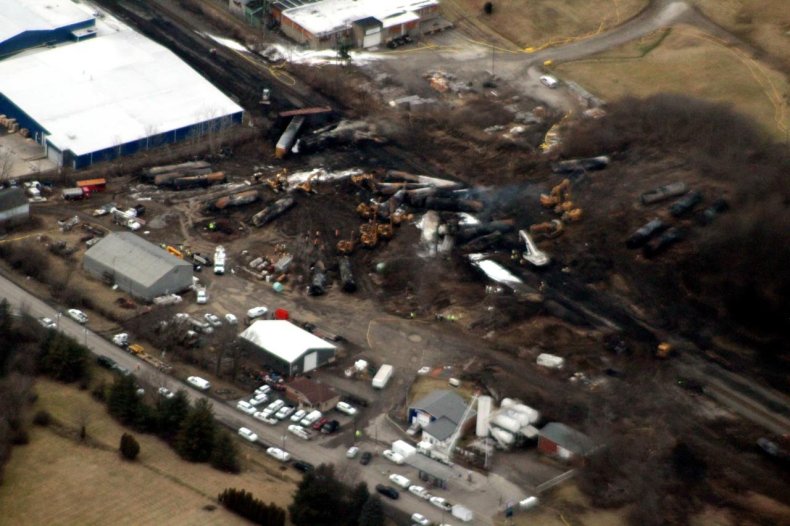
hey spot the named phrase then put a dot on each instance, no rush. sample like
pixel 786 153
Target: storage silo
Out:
pixel 483 414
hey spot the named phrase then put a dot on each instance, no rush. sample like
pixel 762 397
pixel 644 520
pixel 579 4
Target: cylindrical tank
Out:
pixel 533 415
pixel 484 404
pixel 502 436
pixel 518 416
pixel 505 422
pixel 507 402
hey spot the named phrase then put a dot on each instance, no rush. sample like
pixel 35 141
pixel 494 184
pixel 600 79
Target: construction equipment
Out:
pixel 664 350
pixel 368 234
pixel 364 180
pixel 385 230
pixel 367 211
pixel 266 97
pixel 532 253
pixel 279 181
pixel 307 186
pixel 558 194
pixel 174 251
pixel 346 246
pixel 548 230
pixel 574 215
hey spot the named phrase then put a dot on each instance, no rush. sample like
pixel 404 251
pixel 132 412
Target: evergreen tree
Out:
pixel 129 447
pixel 356 500
pixel 225 456
pixel 372 513
pixel 123 402
pixel 196 438
pixel 319 499
pixel 243 503
pixel 62 358
pixel 171 413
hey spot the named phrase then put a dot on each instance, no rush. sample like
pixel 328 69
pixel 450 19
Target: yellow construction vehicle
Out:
pixel 307 186
pixel 279 181
pixel 664 350
pixel 136 349
pixel 385 230
pixel 547 230
pixel 368 234
pixel 174 251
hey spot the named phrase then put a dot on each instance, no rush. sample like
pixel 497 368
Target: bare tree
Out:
pixel 6 164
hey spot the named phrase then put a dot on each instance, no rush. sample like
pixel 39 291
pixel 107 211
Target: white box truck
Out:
pixel 463 513
pixel 383 376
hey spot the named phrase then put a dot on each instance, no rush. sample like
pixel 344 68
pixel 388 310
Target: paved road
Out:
pixel 483 494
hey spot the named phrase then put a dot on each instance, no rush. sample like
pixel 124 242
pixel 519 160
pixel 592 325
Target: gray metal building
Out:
pixel 14 207
pixel 286 348
pixel 138 267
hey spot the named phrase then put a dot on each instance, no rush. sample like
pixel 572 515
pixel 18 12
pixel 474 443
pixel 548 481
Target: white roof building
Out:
pixel 287 348
pixel 108 96
pixel 21 16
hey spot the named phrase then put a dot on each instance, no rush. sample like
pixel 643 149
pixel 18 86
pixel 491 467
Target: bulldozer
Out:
pixel 279 181
pixel 346 246
pixel 573 215
pixel 664 350
pixel 385 230
pixel 547 230
pixel 367 211
pixel 364 180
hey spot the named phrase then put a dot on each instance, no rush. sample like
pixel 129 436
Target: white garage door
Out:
pixel 310 361
pixel 372 40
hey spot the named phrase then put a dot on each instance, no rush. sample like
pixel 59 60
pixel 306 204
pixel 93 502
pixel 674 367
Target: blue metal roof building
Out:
pixel 26 24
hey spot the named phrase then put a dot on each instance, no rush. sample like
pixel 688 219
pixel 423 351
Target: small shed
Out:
pixel 563 442
pixel 367 32
pixel 14 207
pixel 309 393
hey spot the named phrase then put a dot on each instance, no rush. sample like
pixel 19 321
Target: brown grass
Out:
pixel 424 385
pixel 540 22
pixel 763 23
pixel 57 480
pixel 690 62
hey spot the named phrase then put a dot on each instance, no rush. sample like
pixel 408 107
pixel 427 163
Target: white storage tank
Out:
pixel 507 402
pixel 503 437
pixel 518 416
pixel 532 414
pixel 484 404
pixel 507 423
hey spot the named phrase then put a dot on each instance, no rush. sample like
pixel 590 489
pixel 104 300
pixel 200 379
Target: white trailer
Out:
pixel 463 513
pixel 383 376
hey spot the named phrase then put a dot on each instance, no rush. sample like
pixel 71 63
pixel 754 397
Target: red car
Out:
pixel 321 421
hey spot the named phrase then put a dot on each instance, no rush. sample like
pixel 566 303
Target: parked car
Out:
pixel 284 412
pixel 304 467
pixel 106 362
pixel 258 399
pixel 549 81
pixel 200 383
pixel 245 407
pixel 366 457
pixel 346 408
pixel 442 503
pixel 123 371
pixel 419 491
pixel 231 319
pixel 352 452
pixel 275 406
pixel 279 454
pixel 318 424
pixel 387 491
pixel 392 456
pixel 202 296
pixel 298 415
pixel 264 389
pixel 311 418
pixel 330 427
pixel 400 480
pixel 213 319
pixel 78 316
pixel 257 312
pixel 164 392
pixel 299 431
pixel 420 519
pixel 47 323
pixel 248 434
pixel 265 418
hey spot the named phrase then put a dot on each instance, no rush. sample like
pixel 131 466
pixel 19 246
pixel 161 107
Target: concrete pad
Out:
pixel 20 157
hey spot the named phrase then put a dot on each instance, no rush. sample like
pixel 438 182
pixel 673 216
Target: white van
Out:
pixel 200 383
pixel 549 81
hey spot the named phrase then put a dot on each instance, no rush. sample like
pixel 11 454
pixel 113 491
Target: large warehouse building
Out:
pixel 361 23
pixel 138 267
pixel 286 348
pixel 113 95
pixel 26 24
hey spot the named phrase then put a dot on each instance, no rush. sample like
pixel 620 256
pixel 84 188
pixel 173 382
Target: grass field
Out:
pixel 689 62
pixel 57 480
pixel 542 22
pixel 763 23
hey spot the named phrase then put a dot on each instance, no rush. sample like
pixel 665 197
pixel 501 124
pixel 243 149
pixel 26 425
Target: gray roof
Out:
pixel 441 428
pixel 443 403
pixel 432 467
pixel 568 438
pixel 12 198
pixel 132 256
